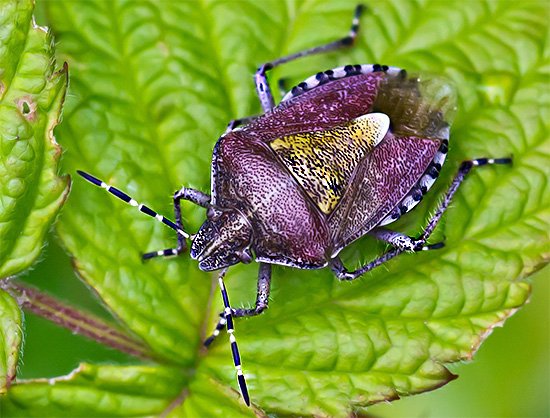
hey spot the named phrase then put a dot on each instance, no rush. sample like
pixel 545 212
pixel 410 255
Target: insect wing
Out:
pixel 420 106
pixel 420 111
pixel 322 108
pixel 323 161
pixel 382 179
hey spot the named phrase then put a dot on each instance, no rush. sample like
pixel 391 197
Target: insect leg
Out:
pixel 238 122
pixel 192 195
pixel 463 171
pixel 283 86
pixel 262 299
pixel 342 273
pixel 262 85
pixel 403 242
pixel 228 313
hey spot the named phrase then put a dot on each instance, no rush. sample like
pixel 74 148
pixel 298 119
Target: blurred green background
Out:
pixel 509 376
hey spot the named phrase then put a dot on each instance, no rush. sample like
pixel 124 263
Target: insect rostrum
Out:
pixel 346 152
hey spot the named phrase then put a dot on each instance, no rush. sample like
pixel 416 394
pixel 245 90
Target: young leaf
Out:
pixel 31 96
pixel 106 391
pixel 153 86
pixel 31 193
pixel 10 339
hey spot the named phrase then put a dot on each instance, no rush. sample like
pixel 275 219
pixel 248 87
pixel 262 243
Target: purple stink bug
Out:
pixel 346 152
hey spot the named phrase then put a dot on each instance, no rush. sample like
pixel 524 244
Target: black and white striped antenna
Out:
pixel 141 207
pixel 228 311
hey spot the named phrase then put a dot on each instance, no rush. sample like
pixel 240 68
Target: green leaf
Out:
pixel 31 96
pixel 153 85
pixel 10 339
pixel 108 391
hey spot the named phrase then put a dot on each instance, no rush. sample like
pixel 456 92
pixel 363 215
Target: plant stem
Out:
pixel 79 322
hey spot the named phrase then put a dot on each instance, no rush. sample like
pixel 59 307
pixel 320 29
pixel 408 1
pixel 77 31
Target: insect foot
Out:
pixel 347 152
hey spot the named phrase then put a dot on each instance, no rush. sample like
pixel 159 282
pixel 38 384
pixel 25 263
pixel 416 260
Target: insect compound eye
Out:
pixel 223 240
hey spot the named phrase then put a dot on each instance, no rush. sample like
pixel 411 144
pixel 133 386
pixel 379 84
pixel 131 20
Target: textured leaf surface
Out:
pixel 154 85
pixel 10 339
pixel 98 391
pixel 31 95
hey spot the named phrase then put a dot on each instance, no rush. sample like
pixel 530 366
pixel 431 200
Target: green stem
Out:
pixel 78 322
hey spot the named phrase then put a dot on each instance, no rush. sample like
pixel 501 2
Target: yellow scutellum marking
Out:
pixel 324 161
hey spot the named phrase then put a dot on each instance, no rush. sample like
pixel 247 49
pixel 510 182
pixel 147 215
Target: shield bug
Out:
pixel 346 152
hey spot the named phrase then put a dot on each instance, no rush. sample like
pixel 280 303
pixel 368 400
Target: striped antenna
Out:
pixel 228 313
pixel 142 208
pixel 355 23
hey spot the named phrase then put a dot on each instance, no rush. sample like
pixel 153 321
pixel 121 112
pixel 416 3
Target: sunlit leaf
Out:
pixel 97 391
pixel 10 339
pixel 31 96
pixel 31 193
pixel 153 86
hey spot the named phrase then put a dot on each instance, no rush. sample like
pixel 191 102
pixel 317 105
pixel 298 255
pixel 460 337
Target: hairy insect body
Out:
pixel 346 152
pixel 325 166
pixel 287 228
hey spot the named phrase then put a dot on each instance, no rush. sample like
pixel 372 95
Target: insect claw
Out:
pixel 148 256
pixel 435 246
pixel 507 160
pixel 209 341
pixel 244 389
pixel 306 155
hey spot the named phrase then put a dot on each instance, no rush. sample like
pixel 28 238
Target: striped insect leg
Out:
pixel 197 197
pixel 342 273
pixel 463 171
pixel 262 85
pixel 402 241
